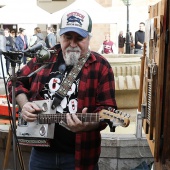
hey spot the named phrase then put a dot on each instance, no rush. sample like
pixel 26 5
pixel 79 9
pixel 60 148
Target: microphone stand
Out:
pixel 13 65
pixel 13 60
pixel 13 56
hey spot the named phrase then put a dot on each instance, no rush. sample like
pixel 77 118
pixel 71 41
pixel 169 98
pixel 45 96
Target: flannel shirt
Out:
pixel 96 92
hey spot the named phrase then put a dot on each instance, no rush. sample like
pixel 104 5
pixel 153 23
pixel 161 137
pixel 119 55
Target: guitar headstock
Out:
pixel 115 116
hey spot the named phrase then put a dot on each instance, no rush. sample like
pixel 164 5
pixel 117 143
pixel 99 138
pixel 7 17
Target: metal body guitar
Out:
pixel 43 127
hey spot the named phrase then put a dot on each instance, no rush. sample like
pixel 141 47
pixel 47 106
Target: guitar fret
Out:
pixel 115 117
pixel 56 118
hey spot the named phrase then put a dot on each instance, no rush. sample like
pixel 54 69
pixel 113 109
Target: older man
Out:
pixel 76 142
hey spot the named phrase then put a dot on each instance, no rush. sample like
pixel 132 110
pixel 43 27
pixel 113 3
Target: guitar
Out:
pixel 43 127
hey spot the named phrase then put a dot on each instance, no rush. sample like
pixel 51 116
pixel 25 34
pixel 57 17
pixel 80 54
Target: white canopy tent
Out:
pixel 99 14
pixel 23 12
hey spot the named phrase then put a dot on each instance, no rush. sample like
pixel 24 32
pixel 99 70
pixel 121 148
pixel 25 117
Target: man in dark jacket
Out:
pixel 139 39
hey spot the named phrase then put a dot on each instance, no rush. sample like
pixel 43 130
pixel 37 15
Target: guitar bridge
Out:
pixel 36 129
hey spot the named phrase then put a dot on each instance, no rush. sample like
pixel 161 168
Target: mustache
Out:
pixel 72 55
pixel 70 49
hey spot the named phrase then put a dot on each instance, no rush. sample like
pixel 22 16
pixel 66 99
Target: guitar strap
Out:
pixel 68 81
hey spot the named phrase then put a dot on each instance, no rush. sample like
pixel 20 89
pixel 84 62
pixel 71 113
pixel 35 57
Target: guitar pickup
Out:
pixel 25 134
pixel 22 122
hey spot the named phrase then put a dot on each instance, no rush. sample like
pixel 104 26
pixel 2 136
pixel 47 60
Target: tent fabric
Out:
pixel 24 13
pixel 98 13
pixel 27 12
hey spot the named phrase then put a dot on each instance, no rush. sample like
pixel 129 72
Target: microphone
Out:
pixel 35 47
pixel 43 54
pixel 11 53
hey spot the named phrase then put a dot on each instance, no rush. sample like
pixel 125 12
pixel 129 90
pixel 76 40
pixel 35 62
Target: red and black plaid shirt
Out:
pixel 96 92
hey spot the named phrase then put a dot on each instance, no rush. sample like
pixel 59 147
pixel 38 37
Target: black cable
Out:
pixel 21 162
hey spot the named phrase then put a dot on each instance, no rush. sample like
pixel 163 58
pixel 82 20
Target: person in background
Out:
pixel 131 43
pixel 76 144
pixel 108 45
pixel 139 39
pixel 58 36
pixel 50 39
pixel 3 72
pixel 21 43
pixel 13 35
pixel 9 47
pixel 121 42
pixel 38 36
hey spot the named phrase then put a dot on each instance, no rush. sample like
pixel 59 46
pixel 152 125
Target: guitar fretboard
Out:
pixel 56 118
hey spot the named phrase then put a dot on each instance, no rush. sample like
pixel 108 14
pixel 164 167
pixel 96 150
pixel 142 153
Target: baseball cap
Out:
pixel 77 21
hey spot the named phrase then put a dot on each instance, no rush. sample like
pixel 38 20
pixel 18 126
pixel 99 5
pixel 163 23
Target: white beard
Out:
pixel 72 56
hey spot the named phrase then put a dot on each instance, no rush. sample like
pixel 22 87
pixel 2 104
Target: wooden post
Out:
pixel 7 151
pixel 141 78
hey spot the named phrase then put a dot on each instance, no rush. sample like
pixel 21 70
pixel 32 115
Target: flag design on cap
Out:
pixel 77 21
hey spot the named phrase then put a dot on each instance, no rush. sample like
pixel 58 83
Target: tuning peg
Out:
pixel 116 111
pixel 110 109
pixel 128 115
pixel 120 112
pixel 107 114
pixel 124 114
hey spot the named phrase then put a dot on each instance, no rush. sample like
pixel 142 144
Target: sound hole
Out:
pixel 44 107
pixel 42 131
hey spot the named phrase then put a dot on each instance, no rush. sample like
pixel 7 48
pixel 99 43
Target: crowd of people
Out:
pixel 18 41
pixel 135 43
pixel 10 40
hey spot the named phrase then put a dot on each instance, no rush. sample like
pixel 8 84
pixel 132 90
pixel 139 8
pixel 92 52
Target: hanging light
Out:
pixel 127 2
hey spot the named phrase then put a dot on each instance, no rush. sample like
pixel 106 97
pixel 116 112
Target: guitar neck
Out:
pixel 56 118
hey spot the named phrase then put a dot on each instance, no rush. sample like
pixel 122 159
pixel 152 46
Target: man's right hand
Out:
pixel 29 110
